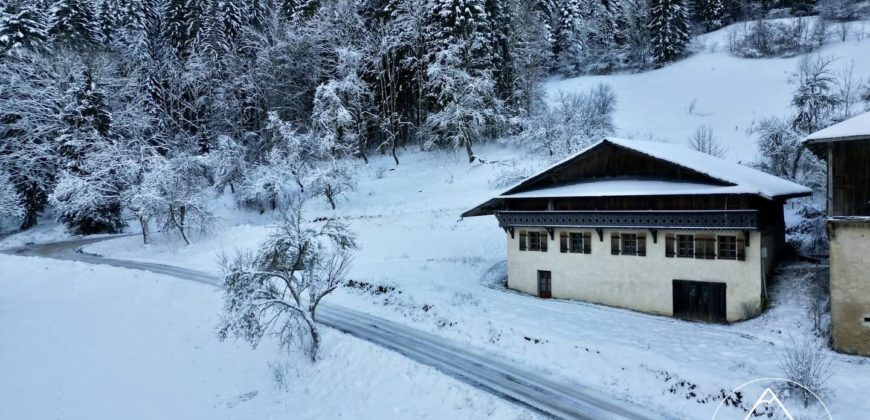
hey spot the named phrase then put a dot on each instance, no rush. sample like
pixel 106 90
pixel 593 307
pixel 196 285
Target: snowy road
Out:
pixel 480 369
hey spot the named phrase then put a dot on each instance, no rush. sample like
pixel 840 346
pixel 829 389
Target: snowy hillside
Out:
pixel 422 266
pixel 390 119
pixel 713 87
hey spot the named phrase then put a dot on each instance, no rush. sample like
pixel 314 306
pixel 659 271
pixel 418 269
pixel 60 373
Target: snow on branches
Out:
pixel 277 289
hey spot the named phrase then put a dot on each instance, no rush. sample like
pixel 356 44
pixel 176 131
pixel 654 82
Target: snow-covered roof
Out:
pixel 626 187
pixel 712 175
pixel 854 128
pixel 746 179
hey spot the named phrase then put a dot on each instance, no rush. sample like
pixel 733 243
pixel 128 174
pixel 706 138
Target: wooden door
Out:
pixel 699 300
pixel 545 288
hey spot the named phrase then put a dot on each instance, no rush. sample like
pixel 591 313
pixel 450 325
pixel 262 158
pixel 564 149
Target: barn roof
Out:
pixel 855 128
pixel 710 175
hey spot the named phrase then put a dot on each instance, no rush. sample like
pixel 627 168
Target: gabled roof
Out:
pixel 705 174
pixel 854 128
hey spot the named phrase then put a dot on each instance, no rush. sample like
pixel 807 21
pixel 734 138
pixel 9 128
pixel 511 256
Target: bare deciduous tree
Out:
pixel 806 362
pixel 703 141
pixel 277 289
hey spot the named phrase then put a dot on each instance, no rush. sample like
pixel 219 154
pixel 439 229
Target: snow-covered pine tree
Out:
pixel 287 8
pixel 107 14
pixel 709 13
pixel 636 32
pixel 531 47
pixel 305 9
pixel 33 95
pixel 86 122
pixel 178 26
pixel 232 21
pixel 88 193
pixel 466 104
pixel 21 27
pixel 338 118
pixel 73 22
pixel 570 45
pixel 466 22
pixel 459 76
pixel 669 27
pixel 138 31
pixel 257 13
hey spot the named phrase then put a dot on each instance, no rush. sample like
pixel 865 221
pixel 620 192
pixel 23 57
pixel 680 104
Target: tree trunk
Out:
pixel 29 219
pixel 315 339
pixel 468 150
pixel 144 223
pixel 330 195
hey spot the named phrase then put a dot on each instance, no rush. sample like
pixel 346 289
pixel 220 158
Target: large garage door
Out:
pixel 699 300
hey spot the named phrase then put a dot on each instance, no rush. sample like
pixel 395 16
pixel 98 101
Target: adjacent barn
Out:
pixel 846 148
pixel 649 226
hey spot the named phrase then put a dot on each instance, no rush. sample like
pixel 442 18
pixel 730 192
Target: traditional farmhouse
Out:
pixel 846 148
pixel 649 226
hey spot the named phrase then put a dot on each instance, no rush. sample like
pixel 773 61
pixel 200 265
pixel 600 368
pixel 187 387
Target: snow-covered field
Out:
pixel 714 88
pixel 100 337
pixel 438 272
pixel 96 342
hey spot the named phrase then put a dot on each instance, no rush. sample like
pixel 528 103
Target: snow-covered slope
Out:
pixel 715 88
pixel 420 265
pixel 96 342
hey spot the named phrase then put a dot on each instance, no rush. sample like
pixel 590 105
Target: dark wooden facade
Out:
pixel 848 177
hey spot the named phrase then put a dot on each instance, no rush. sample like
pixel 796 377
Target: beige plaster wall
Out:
pixel 850 286
pixel 642 283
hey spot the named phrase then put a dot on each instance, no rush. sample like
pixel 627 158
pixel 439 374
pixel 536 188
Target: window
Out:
pixel 727 247
pixel 686 246
pixel 731 247
pixel 705 247
pixel 575 242
pixel 628 244
pixel 533 241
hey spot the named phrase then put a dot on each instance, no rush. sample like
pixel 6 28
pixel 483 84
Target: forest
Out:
pixel 143 110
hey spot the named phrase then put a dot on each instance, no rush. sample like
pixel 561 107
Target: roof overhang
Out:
pixel 819 145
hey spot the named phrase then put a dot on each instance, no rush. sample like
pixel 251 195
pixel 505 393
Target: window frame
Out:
pixel 576 238
pixel 726 247
pixel 624 240
pixel 685 246
pixel 533 240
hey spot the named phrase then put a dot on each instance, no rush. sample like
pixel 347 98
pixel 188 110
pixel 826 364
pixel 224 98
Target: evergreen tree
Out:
pixel 88 194
pixel 463 22
pixel 21 28
pixel 73 22
pixel 86 121
pixel 669 26
pixel 305 9
pixel 177 26
pixel 107 19
pixel 231 18
pixel 709 13
pixel 258 13
pixel 570 43
pixel 288 8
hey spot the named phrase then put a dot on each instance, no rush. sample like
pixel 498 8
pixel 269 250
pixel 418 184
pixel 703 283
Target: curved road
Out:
pixel 483 370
